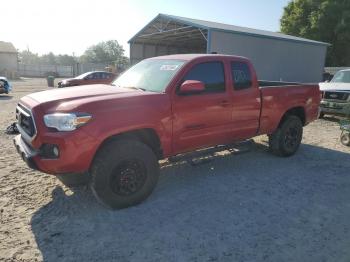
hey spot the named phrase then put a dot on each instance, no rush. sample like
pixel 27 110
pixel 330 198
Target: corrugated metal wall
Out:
pixel 273 59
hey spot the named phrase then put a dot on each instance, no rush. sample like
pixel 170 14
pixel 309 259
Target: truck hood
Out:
pixel 80 92
pixel 335 86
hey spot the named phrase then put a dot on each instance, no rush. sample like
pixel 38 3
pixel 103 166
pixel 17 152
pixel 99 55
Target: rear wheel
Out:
pixel 345 138
pixel 286 140
pixel 124 173
pixel 321 115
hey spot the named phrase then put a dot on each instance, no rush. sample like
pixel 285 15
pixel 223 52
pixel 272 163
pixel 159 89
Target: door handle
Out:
pixel 224 103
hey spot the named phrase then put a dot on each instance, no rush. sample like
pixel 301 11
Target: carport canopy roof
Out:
pixel 176 29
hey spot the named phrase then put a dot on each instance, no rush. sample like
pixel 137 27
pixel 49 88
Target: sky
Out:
pixel 71 26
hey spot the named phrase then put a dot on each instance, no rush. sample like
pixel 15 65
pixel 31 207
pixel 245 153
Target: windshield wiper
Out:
pixel 136 88
pixel 130 87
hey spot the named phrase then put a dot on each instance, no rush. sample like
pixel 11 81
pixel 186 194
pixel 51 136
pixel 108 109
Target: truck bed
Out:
pixel 278 97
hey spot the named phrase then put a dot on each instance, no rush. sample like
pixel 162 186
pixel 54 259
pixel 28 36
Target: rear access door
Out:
pixel 246 104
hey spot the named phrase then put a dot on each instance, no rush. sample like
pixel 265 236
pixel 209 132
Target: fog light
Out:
pixel 55 151
pixel 49 151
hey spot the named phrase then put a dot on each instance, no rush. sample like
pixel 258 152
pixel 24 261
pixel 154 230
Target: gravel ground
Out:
pixel 245 207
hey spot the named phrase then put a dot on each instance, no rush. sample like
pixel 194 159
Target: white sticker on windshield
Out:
pixel 169 67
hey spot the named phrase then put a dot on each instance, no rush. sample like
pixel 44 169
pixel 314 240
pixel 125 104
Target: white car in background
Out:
pixel 336 95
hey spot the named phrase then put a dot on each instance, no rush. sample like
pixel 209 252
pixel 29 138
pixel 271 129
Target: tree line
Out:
pixel 322 20
pixel 107 52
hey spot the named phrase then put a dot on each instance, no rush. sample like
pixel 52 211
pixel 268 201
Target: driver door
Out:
pixel 203 119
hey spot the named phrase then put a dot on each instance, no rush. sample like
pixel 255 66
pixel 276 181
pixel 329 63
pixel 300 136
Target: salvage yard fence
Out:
pixel 30 70
pixel 34 70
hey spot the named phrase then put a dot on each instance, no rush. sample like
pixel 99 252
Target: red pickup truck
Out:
pixel 115 134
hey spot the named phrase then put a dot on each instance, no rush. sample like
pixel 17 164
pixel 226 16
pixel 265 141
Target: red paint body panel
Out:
pixel 182 123
pixel 276 102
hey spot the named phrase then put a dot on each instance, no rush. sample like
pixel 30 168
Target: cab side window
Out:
pixel 241 75
pixel 108 76
pixel 90 76
pixel 97 75
pixel 211 74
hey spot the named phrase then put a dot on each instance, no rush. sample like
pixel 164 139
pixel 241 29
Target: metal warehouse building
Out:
pixel 276 56
pixel 8 60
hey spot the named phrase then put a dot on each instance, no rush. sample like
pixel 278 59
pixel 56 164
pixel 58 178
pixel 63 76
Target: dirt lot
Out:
pixel 246 207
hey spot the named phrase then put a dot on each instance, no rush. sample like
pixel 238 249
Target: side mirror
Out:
pixel 192 87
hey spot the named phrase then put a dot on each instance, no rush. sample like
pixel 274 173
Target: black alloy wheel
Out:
pixel 128 177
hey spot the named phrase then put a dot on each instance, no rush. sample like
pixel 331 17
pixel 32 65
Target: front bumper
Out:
pixel 335 108
pixel 76 152
pixel 66 84
pixel 25 151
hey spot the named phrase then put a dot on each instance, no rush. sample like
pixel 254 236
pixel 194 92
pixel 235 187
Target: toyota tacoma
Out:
pixel 114 135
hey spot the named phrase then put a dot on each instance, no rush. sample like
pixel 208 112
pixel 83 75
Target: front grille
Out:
pixel 342 96
pixel 25 120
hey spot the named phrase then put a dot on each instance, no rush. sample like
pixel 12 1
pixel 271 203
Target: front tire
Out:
pixel 286 140
pixel 124 173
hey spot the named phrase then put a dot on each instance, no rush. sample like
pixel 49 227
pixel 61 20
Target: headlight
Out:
pixel 65 82
pixel 66 121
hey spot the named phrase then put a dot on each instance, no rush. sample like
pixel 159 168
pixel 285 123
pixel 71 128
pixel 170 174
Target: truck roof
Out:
pixel 188 57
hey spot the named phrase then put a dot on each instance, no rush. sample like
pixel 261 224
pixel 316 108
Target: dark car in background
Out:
pixel 89 78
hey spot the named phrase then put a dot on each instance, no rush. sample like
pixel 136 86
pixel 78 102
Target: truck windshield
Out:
pixel 341 77
pixel 150 75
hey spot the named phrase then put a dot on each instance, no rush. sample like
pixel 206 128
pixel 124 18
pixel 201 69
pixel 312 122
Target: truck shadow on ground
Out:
pixel 248 207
